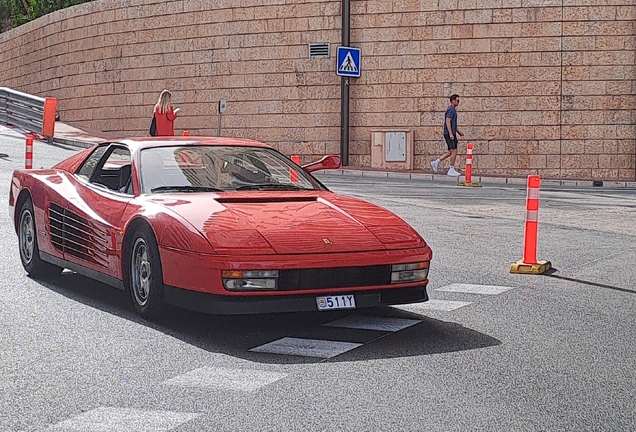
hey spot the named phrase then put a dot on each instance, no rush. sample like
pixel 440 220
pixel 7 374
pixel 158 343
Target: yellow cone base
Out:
pixel 522 268
pixel 469 184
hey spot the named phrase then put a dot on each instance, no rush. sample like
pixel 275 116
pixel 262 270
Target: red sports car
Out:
pixel 216 225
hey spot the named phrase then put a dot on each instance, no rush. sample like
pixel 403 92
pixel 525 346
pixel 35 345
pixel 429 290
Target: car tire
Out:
pixel 145 278
pixel 28 245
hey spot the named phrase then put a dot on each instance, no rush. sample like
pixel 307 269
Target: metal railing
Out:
pixel 21 109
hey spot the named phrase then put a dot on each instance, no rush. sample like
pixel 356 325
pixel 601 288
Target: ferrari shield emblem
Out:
pixel 326 240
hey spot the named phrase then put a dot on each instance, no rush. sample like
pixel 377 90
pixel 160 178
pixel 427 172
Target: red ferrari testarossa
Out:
pixel 216 225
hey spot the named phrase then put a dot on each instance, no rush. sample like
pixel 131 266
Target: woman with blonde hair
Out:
pixel 164 115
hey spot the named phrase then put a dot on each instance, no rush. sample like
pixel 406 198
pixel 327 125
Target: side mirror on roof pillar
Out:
pixel 327 162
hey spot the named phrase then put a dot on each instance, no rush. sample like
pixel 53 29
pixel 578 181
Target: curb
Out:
pixel 485 181
pixel 11 135
pixel 57 140
pixel 72 142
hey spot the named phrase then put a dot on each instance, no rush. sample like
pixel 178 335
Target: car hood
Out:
pixel 292 223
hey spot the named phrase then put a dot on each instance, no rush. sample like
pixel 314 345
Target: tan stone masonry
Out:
pixel 546 86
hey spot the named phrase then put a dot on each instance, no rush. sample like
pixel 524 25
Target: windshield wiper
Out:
pixel 268 186
pixel 185 189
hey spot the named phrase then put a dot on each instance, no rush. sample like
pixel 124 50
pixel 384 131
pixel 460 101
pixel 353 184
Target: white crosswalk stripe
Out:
pixel 433 304
pixel 111 419
pixel 373 323
pixel 226 378
pixel 328 349
pixel 475 289
pixel 306 347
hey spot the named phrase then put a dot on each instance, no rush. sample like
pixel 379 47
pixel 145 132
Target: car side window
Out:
pixel 115 172
pixel 91 162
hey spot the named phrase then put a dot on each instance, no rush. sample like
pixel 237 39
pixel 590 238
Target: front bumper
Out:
pixel 202 273
pixel 244 305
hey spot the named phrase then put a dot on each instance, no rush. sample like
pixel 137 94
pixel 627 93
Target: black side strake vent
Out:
pixel 74 235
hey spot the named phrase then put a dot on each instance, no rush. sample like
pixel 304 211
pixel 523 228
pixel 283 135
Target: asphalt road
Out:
pixel 492 351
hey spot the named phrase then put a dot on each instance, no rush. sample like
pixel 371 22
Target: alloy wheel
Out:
pixel 141 272
pixel 27 236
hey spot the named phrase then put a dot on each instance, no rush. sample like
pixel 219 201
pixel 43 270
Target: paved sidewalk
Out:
pixel 85 138
pixel 66 134
pixel 70 135
pixel 485 181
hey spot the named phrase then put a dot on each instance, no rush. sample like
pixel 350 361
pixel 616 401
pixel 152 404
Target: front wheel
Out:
pixel 28 244
pixel 145 279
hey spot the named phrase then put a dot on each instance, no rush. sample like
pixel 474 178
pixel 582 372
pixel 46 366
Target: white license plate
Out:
pixel 336 302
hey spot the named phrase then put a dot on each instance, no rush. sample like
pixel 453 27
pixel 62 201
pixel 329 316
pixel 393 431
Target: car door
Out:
pixel 93 215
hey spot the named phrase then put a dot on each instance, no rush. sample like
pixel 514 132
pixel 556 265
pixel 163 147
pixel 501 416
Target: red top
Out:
pixel 165 122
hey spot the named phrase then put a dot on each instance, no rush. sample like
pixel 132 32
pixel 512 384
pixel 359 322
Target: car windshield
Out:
pixel 219 168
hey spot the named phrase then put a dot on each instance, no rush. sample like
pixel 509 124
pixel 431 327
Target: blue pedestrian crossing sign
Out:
pixel 348 62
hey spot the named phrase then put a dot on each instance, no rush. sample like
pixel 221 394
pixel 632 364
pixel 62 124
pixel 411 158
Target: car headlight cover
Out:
pixel 250 280
pixel 415 272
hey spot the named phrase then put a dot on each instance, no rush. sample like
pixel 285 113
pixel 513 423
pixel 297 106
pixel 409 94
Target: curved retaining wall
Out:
pixel 546 86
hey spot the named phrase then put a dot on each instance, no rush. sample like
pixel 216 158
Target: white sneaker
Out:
pixel 434 165
pixel 453 172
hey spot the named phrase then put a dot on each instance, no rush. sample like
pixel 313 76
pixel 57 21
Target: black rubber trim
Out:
pixel 93 274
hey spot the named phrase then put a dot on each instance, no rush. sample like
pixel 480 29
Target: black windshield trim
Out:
pixel 185 189
pixel 271 186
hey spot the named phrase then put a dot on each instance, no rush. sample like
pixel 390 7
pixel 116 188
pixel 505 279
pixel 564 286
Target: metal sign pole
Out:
pixel 344 89
pixel 222 108
pixel 344 114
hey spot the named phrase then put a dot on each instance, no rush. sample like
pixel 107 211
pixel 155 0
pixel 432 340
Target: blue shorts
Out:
pixel 451 143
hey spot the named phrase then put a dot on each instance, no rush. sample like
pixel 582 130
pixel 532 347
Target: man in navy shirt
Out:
pixel 450 135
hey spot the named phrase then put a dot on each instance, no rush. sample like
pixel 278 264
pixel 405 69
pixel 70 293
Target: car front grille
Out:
pixel 339 277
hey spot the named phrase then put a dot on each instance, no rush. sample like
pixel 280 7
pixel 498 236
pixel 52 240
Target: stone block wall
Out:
pixel 546 86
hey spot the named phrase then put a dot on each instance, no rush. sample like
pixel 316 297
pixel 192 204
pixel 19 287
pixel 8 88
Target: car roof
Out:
pixel 170 141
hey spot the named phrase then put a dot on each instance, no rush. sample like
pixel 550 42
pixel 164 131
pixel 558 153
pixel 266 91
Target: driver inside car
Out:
pixel 252 171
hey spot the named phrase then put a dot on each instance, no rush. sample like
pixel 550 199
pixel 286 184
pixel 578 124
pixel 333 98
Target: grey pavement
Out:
pixel 539 353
